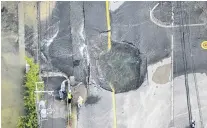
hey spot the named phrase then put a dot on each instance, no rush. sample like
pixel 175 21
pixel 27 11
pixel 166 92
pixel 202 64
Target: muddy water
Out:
pixel 162 74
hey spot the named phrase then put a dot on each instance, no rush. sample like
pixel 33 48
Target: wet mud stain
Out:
pixel 162 74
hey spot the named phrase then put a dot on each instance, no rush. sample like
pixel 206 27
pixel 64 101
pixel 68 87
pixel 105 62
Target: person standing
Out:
pixel 69 97
pixel 62 91
pixel 80 101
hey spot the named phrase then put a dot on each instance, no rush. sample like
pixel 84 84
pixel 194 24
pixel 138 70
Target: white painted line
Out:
pixel 53 74
pixel 172 55
pixel 81 31
pixel 165 25
pixel 172 83
pixel 81 49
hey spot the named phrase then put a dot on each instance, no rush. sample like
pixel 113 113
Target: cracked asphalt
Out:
pixel 138 45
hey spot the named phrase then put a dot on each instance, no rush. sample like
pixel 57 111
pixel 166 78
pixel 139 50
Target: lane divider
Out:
pixel 109 48
pixel 108 25
pixel 114 105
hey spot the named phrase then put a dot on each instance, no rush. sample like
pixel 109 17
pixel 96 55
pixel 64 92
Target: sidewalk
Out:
pixel 78 90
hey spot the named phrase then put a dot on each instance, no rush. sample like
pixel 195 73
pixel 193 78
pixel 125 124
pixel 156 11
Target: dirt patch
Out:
pixel 46 8
pixel 9 19
pixel 162 74
pixel 30 8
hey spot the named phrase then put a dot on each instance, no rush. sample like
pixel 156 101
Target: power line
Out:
pixel 197 95
pixel 195 81
pixel 195 78
pixel 183 47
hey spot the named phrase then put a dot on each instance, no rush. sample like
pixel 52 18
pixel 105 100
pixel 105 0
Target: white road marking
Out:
pixel 172 55
pixel 81 31
pixel 165 25
pixel 81 49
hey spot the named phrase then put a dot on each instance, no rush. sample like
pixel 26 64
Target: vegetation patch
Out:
pixel 32 76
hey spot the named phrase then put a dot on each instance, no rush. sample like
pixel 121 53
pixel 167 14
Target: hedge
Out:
pixel 29 120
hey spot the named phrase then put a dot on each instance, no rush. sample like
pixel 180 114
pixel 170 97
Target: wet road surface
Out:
pixel 137 43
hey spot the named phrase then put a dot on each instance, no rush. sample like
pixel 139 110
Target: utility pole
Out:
pixel 38 34
pixel 184 57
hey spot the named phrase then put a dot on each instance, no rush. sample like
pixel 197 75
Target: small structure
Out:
pixel 42 109
pixel 43 113
pixel 42 104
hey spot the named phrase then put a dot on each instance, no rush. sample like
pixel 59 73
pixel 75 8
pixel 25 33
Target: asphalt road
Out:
pixel 138 42
pixel 85 40
pixel 154 43
pixel 57 118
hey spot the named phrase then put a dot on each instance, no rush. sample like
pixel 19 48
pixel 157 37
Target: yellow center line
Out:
pixel 109 48
pixel 108 25
pixel 114 104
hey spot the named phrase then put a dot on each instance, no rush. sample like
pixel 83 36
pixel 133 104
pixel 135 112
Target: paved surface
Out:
pixel 138 45
pixel 58 118
pixel 139 108
pixel 180 104
pixel 154 43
